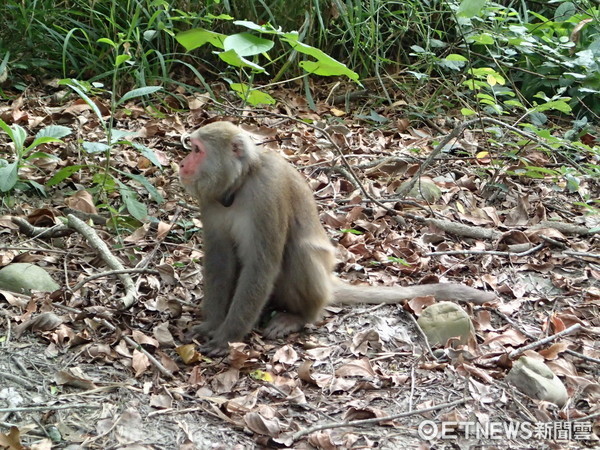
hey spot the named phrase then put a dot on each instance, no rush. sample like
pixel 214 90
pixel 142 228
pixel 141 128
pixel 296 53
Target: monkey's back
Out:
pixel 303 285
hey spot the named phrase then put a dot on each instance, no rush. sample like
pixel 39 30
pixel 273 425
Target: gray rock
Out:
pixel 444 320
pixel 534 378
pixel 425 189
pixel 25 277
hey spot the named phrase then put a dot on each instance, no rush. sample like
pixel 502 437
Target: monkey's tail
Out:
pixel 351 294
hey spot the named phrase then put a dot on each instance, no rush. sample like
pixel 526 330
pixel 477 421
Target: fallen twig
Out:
pixel 565 228
pixel 17 379
pixel 458 229
pixel 38 232
pixel 524 332
pixel 487 252
pixel 375 420
pixel 582 255
pixel 539 343
pixel 111 273
pixel 100 246
pixel 47 407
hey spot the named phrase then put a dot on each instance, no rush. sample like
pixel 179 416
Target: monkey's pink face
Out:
pixel 190 166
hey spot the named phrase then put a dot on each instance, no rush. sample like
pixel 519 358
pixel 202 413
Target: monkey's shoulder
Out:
pixel 278 173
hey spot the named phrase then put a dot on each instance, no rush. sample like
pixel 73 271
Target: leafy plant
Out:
pixel 9 171
pixel 237 48
pixel 114 138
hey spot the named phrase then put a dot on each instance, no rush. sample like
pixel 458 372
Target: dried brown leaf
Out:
pixel 162 401
pixel 286 355
pixel 163 335
pixel 358 368
pixel 82 201
pixel 12 440
pixel 261 425
pixel 66 378
pixel 139 362
pixel 188 353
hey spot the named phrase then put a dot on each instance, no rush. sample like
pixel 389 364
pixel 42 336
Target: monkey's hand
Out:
pixel 215 347
pixel 202 330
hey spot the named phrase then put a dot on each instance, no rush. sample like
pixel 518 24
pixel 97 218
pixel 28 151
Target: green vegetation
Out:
pixel 9 171
pixel 507 59
pixel 518 52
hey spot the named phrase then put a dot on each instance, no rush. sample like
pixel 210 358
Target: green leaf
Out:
pixel 95 147
pixel 467 112
pixel 154 193
pixel 41 140
pixel 38 187
pixel 482 39
pixel 514 103
pixel 267 28
pixel 233 59
pixel 148 153
pixel 197 37
pixel 121 59
pixel 558 105
pixel 573 183
pixel 4 64
pixel 17 134
pixel 8 130
pixel 107 41
pixel 351 231
pixel 455 57
pixel 117 135
pixel 565 11
pixel 55 131
pixel 80 89
pixel 9 175
pixel 397 260
pixel 139 92
pixel 325 64
pixel 41 155
pixel 136 208
pixel 494 79
pixel 252 96
pixel 470 8
pixel 63 174
pixel 247 44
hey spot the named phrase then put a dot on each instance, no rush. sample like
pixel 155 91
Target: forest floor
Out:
pixel 95 376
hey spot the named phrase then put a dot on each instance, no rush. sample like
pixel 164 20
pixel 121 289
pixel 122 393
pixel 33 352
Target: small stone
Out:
pixel 23 278
pixel 424 189
pixel 444 320
pixel 534 378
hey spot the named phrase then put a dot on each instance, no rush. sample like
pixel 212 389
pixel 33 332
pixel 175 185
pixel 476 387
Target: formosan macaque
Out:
pixel 264 244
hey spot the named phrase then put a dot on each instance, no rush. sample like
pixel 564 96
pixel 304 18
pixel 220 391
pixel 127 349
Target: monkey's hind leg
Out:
pixel 302 289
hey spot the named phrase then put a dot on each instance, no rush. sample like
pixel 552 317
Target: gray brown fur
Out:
pixel 263 243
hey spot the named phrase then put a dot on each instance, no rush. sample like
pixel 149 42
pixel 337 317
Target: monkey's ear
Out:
pixel 238 146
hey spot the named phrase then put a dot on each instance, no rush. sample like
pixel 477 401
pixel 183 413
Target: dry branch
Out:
pixel 375 420
pixel 516 353
pixel 100 246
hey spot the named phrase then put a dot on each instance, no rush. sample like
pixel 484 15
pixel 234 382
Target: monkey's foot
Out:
pixel 283 324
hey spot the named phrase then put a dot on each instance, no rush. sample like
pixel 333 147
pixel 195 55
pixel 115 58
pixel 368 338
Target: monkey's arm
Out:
pixel 254 286
pixel 219 281
pixel 259 249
